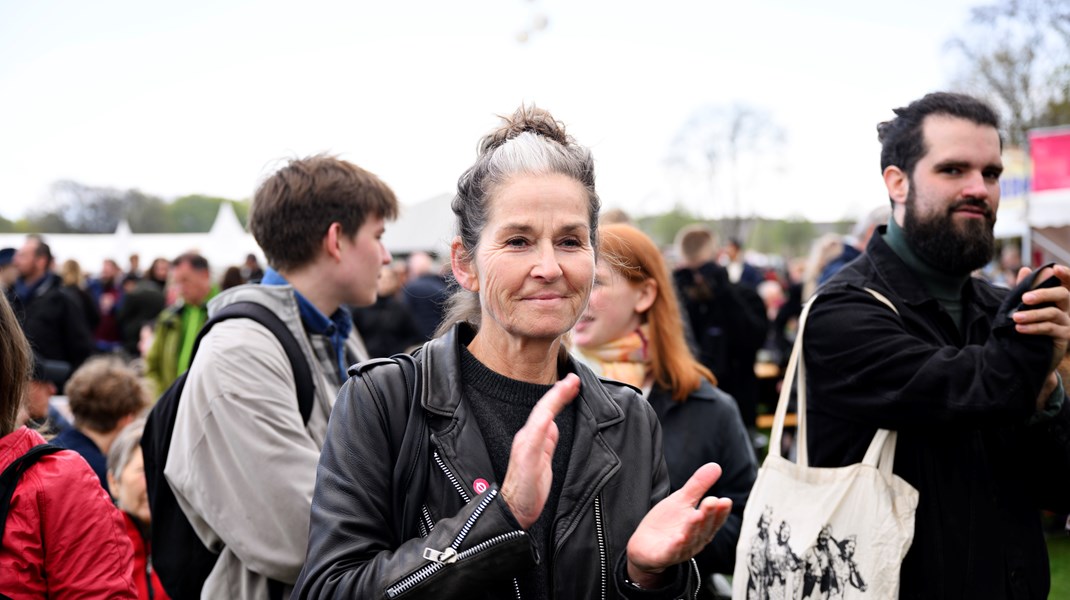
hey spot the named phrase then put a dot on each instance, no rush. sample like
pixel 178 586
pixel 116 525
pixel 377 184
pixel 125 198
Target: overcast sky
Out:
pixel 209 97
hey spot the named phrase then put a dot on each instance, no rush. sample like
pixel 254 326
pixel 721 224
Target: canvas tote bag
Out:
pixel 824 533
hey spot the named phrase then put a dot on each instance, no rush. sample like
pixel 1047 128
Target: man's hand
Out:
pixel 1052 321
pixel 530 470
pixel 675 530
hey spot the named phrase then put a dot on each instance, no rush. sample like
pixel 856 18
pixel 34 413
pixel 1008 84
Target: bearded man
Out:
pixel 971 376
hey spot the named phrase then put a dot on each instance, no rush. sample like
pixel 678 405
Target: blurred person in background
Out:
pixel 855 245
pixel 48 377
pixel 740 271
pixel 728 321
pixel 74 285
pixel 105 395
pixel 62 536
pixel 107 291
pixel 631 332
pixel 177 325
pixel 251 271
pixel 126 479
pixel 232 277
pixel 159 272
pixel 386 326
pixel 135 265
pixel 8 272
pixel 143 300
pixel 52 320
pixel 823 251
pixel 425 293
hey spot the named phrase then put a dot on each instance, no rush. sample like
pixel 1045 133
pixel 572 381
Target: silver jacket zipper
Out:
pixel 450 555
pixel 601 542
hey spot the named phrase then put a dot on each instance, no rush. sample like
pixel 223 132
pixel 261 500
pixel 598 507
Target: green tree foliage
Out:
pixel 1016 53
pixel 662 228
pixel 194 213
pixel 146 214
pixel 80 208
pixel 241 210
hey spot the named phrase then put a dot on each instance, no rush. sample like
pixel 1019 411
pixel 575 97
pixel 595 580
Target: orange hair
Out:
pixel 635 256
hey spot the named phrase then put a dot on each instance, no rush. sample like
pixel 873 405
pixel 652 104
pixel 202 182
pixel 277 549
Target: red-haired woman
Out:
pixel 632 332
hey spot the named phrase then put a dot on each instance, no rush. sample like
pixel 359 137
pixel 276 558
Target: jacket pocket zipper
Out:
pixel 601 542
pixel 450 555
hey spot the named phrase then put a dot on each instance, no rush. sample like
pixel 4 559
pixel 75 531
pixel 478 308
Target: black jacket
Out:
pixel 387 327
pixel 961 404
pixel 54 322
pixel 370 540
pixel 729 324
pixel 707 428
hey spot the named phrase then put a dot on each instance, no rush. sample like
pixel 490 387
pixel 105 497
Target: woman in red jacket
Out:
pixel 126 480
pixel 62 536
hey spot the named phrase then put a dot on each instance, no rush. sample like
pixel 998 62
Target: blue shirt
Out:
pixel 336 327
pixel 72 439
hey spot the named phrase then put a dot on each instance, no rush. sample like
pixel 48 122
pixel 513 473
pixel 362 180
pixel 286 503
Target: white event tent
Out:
pixel 425 226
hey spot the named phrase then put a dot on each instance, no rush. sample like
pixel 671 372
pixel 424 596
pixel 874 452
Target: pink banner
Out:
pixel 1050 151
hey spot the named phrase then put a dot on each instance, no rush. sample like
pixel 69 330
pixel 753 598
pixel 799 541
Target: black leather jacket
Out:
pixel 369 539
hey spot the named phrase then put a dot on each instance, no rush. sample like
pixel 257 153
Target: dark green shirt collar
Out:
pixel 942 285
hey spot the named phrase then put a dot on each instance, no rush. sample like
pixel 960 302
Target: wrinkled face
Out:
pixel 615 309
pixel 954 194
pixel 363 255
pixel 193 285
pixel 129 490
pixel 534 266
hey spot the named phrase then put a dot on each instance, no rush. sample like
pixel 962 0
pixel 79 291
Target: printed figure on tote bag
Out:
pixel 830 568
pixel 824 572
pixel 972 378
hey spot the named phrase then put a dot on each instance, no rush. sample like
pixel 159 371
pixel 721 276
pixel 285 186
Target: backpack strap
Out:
pixel 9 479
pixel 263 315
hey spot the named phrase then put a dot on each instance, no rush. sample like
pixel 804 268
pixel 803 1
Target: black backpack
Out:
pixel 9 479
pixel 180 559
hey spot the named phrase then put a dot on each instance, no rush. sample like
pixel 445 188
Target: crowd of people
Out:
pixel 558 409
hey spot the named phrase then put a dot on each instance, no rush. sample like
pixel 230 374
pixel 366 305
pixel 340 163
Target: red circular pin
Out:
pixel 480 485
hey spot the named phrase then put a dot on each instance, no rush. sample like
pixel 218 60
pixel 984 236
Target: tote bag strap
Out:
pixel 883 445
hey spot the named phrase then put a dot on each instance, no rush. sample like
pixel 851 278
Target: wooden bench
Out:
pixel 766 421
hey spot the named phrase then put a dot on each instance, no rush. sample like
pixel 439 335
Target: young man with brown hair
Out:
pixel 242 463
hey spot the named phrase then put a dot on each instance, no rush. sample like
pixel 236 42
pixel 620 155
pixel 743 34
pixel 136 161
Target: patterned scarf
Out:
pixel 625 359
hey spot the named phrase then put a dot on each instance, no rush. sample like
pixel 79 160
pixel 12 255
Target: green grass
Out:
pixel 1059 558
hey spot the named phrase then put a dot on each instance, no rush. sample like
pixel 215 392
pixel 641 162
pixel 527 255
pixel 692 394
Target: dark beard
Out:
pixel 956 249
